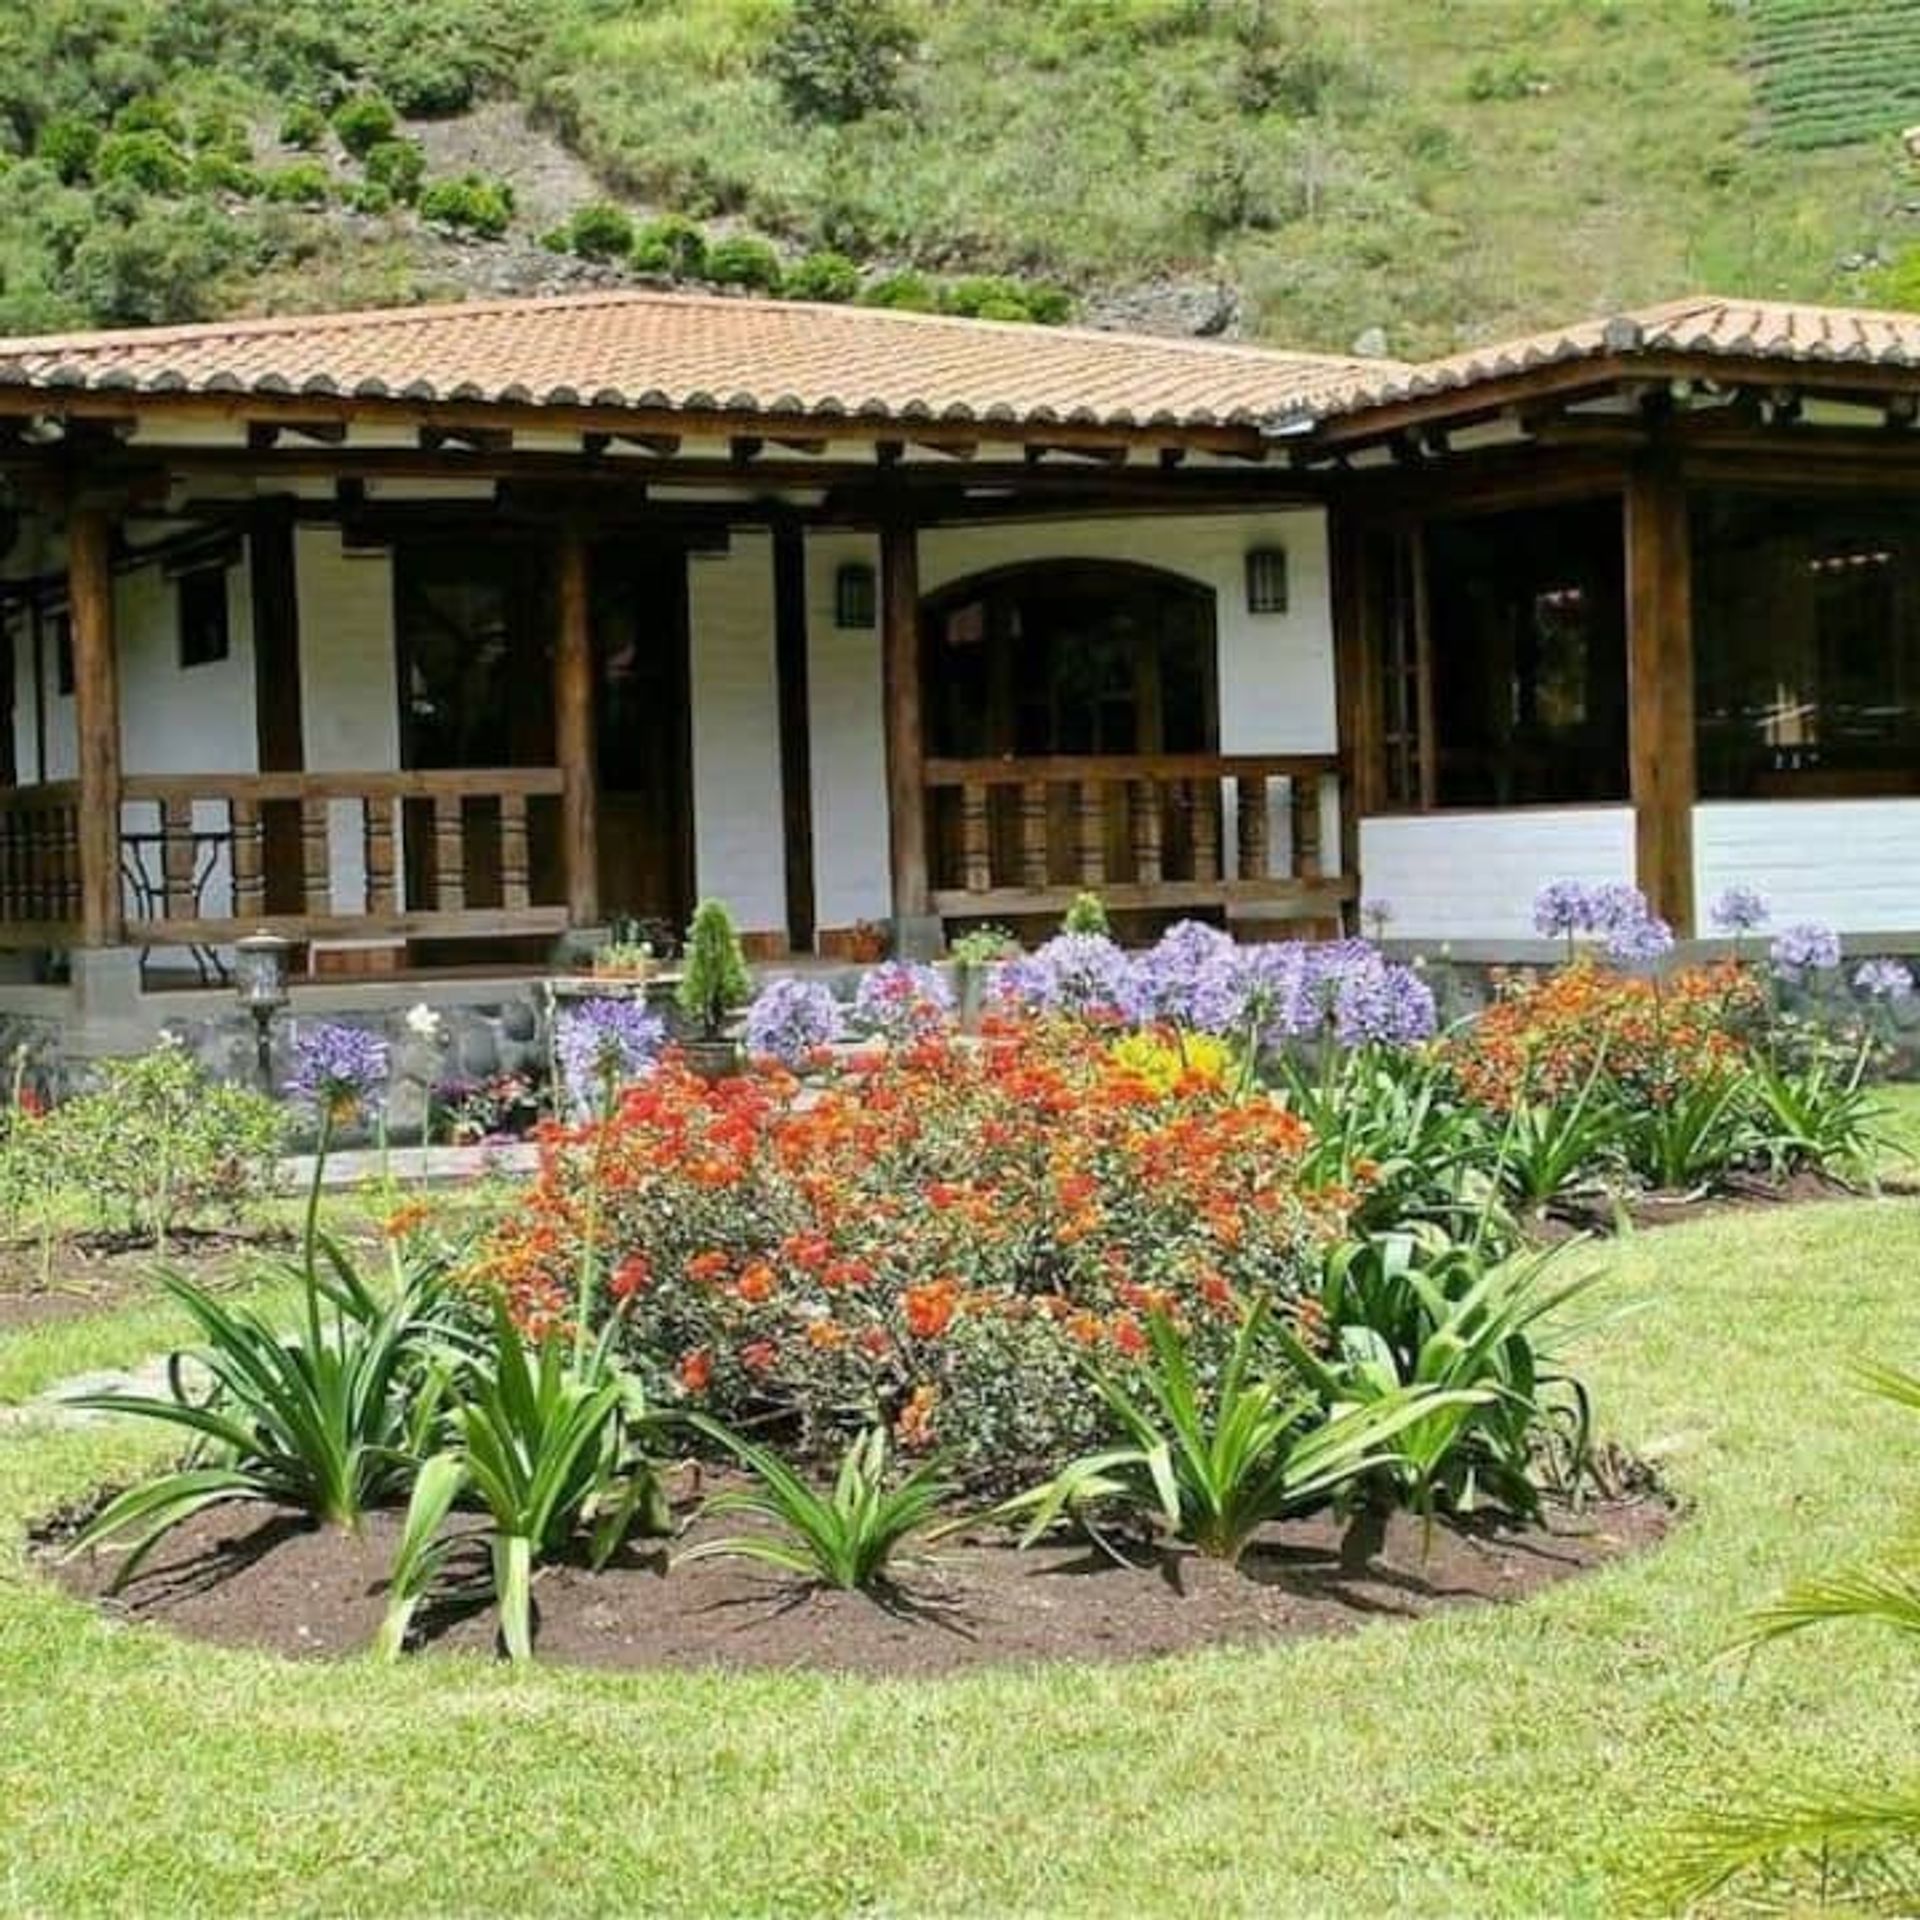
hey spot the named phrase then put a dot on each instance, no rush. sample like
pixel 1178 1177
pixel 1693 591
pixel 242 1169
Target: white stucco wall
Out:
pixel 1849 864
pixel 349 698
pixel 739 846
pixel 1473 876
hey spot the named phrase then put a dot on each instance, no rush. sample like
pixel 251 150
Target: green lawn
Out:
pixel 1516 1761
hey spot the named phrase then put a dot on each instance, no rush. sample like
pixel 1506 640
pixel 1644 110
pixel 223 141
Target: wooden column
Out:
pixel 796 743
pixel 96 708
pixel 1660 745
pixel 575 744
pixel 904 724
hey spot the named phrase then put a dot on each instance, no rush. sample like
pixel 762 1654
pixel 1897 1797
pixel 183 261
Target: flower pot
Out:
pixel 712 1059
pixel 970 996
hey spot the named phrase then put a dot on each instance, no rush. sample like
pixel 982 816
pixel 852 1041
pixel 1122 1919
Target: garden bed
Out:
pixel 256 1578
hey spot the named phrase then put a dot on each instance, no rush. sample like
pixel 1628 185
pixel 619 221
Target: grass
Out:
pixel 1520 1761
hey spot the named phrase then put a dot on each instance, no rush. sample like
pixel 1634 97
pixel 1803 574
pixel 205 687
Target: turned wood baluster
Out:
pixel 380 840
pixel 1251 818
pixel 249 869
pixel 976 846
pixel 449 853
pixel 1206 831
pixel 316 864
pixel 1033 833
pixel 1306 827
pixel 1090 829
pixel 514 893
pixel 1144 825
pixel 176 859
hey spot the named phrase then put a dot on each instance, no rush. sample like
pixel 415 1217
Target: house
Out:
pixel 430 637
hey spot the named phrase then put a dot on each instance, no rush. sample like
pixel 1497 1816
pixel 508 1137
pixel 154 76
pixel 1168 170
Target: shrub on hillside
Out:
pixel 363 123
pixel 69 145
pixel 822 276
pixel 399 166
pixel 600 231
pixel 839 60
pixel 306 183
pixel 743 261
pixel 908 291
pixel 220 172
pixel 472 204
pixel 304 128
pixel 672 245
pixel 145 159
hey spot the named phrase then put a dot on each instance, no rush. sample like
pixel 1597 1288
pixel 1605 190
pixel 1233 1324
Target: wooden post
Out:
pixel 796 744
pixel 1660 744
pixel 575 743
pixel 905 737
pixel 96 707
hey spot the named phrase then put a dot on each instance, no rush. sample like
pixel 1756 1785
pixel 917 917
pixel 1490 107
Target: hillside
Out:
pixel 1420 174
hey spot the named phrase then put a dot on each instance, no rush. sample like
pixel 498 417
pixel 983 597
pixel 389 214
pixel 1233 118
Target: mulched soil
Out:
pixel 1735 1193
pixel 270 1580
pixel 96 1273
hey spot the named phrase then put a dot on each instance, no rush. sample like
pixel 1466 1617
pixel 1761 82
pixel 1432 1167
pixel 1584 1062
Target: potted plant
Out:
pixel 974 956
pixel 713 988
pixel 624 960
pixel 868 942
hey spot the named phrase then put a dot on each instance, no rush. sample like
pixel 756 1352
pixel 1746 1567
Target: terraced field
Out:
pixel 1829 73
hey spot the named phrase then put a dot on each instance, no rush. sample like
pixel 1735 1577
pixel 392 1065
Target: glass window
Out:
pixel 1806 645
pixel 202 601
pixel 1527 654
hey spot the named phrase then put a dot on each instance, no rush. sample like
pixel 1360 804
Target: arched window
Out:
pixel 1070 657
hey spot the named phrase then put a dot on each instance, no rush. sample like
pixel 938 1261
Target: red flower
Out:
pixel 630 1277
pixel 757 1283
pixel 929 1308
pixel 695 1370
pixel 708 1266
pixel 759 1356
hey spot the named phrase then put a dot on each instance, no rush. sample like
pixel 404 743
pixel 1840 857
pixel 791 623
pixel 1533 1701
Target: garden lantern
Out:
pixel 260 979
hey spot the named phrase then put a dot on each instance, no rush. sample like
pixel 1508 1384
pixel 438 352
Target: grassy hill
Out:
pixel 1443 170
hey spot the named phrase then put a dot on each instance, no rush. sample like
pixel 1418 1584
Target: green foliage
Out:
pixel 1215 1465
pixel 822 276
pixel 982 946
pixel 369 197
pixel 672 245
pixel 908 291
pixel 713 978
pixel 303 127
pixel 846 1538
pixel 472 204
pixel 400 166
pixel 218 171
pixel 147 113
pixel 546 1436
pixel 155 266
pixel 69 145
pixel 1812 1108
pixel 838 60
pixel 600 231
pixel 305 183
pixel 363 122
pixel 329 1420
pixel 1833 72
pixel 740 260
pixel 145 158
pixel 1088 914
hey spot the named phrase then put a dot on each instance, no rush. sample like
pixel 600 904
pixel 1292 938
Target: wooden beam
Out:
pixel 262 434
pixel 576 744
pixel 904 723
pixel 796 745
pixel 96 688
pixel 1660 688
pixel 466 439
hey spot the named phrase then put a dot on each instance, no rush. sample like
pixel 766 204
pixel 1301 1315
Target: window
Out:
pixel 60 634
pixel 201 600
pixel 1501 659
pixel 1806 646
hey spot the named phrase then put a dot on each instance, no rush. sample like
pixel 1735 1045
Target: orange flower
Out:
pixel 1124 1331
pixel 409 1217
pixel 929 1308
pixel 759 1356
pixel 826 1336
pixel 914 1428
pixel 708 1266
pixel 630 1277
pixel 757 1283
pixel 695 1370
pixel 874 1343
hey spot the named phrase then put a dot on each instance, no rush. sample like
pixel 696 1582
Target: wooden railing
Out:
pixel 207 858
pixel 40 865
pixel 1024 836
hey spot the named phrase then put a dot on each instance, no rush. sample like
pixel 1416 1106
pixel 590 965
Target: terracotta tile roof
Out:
pixel 657 352
pixel 1754 330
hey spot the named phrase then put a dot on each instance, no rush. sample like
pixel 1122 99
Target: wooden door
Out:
pixel 644 710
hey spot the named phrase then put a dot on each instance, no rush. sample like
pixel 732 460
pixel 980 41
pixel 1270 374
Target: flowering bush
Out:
pixel 881 1246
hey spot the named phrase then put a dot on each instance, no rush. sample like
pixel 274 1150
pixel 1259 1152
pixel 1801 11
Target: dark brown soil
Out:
pixel 241 1578
pixel 95 1273
pixel 1737 1193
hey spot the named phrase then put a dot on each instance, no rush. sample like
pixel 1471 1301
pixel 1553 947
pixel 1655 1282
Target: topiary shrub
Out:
pixel 743 261
pixel 399 167
pixel 363 123
pixel 1088 914
pixel 823 276
pixel 306 183
pixel 671 244
pixel 145 159
pixel 69 145
pixel 304 128
pixel 713 981
pixel 600 231
pixel 472 204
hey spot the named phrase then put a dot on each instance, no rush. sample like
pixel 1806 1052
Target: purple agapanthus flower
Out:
pixel 337 1069
pixel 1178 978
pixel 902 1001
pixel 1563 908
pixel 1883 980
pixel 1740 910
pixel 1640 942
pixel 603 1043
pixel 791 1020
pixel 1299 990
pixel 1805 948
pixel 1078 973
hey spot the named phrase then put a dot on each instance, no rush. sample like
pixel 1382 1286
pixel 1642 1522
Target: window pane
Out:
pixel 1527 644
pixel 1806 649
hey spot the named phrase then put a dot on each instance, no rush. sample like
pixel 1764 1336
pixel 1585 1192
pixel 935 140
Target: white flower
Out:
pixel 424 1024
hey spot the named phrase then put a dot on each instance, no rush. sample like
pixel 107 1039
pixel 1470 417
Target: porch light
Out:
pixel 854 599
pixel 260 980
pixel 1266 580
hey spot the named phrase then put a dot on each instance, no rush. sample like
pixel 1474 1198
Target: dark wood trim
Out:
pixel 96 674
pixel 37 642
pixel 904 720
pixel 1353 702
pixel 273 585
pixel 575 744
pixel 1660 740
pixel 796 749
